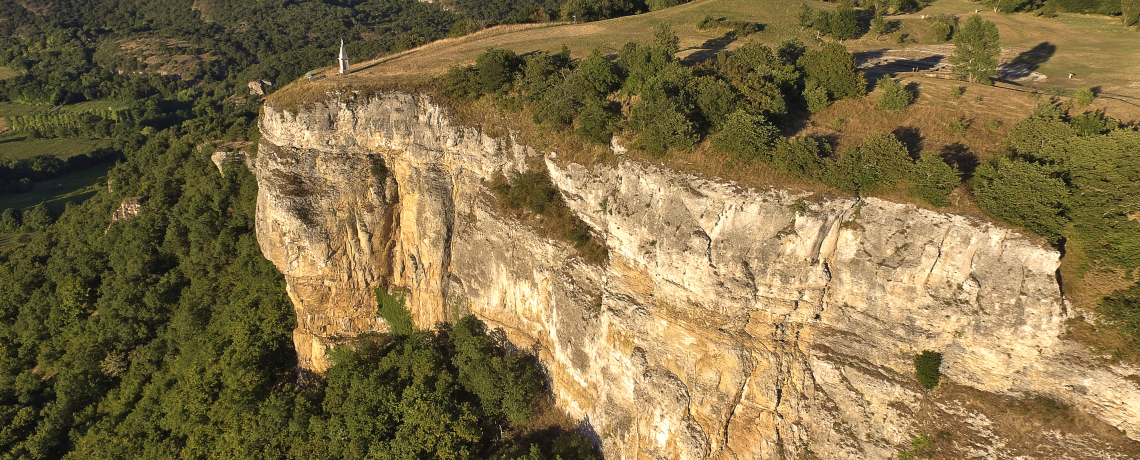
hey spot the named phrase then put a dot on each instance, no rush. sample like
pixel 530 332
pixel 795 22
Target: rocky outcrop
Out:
pixel 728 322
pixel 129 208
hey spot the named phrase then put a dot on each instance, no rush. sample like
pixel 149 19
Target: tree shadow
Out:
pixel 710 48
pixel 876 64
pixel 960 157
pixel 1029 61
pixel 912 138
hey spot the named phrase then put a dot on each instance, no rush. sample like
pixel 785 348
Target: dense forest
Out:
pixel 168 335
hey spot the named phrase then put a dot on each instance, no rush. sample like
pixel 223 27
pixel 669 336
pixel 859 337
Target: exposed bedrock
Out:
pixel 728 322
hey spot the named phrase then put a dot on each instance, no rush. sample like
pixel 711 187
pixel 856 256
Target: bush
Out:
pixel 956 91
pixel 707 23
pixel 534 191
pixel 878 25
pixel 926 368
pixel 942 26
pixel 746 137
pixel 596 122
pixel 879 161
pixel 959 126
pixel 895 96
pixel 833 68
pixel 843 23
pixel 815 96
pixel 496 68
pixel 934 179
pixel 1084 97
pixel 379 170
pixel 461 82
pixel 390 307
pixel 1121 310
pixel 1023 194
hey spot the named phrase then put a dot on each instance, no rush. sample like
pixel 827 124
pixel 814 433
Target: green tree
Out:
pixel 833 68
pixel 816 96
pixel 666 39
pixel 843 23
pixel 598 73
pixel 976 48
pixel 1130 12
pixel 879 161
pixel 496 69
pixel 934 179
pixel 746 137
pixel 1024 194
pixel 38 218
pixel 878 24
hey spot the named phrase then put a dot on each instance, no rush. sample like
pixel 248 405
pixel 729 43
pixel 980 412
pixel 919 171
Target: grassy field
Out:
pixel 16 146
pixel 75 187
pixel 1097 49
pixel 6 72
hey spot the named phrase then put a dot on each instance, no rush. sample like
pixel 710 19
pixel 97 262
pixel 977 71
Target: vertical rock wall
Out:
pixel 728 323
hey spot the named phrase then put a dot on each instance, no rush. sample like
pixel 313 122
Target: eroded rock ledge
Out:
pixel 726 324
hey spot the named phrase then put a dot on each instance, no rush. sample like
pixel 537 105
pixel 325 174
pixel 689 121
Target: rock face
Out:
pixel 728 323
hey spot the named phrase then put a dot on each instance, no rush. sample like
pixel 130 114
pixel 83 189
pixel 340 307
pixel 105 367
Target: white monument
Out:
pixel 343 59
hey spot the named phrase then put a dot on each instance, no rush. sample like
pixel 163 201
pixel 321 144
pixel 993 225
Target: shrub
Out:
pixel 715 99
pixel 707 23
pixel 940 32
pixel 461 82
pixel 833 68
pixel 926 368
pixel 390 307
pixel 878 25
pixel 746 136
pixel 596 122
pixel 942 26
pixel 534 191
pixel 934 179
pixel 843 23
pixel 1084 97
pixel 598 73
pixel 879 161
pixel 1121 310
pixel 1023 194
pixel 496 69
pixel 959 126
pixel 956 91
pixel 895 96
pixel 661 121
pixel 815 96
pixel 379 170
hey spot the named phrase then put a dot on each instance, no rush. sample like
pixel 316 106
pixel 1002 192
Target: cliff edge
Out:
pixel 727 323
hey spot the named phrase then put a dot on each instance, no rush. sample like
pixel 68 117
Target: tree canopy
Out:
pixel 977 45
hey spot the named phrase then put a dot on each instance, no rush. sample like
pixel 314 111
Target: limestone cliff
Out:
pixel 728 322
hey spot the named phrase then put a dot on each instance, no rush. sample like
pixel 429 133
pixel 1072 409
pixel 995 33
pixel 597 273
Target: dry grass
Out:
pixel 1031 427
pixel 7 72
